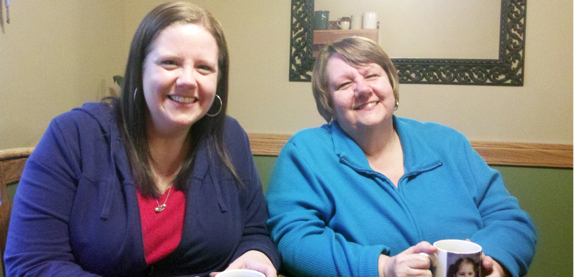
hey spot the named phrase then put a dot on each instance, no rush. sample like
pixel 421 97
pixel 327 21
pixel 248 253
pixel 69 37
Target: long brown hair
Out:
pixel 131 108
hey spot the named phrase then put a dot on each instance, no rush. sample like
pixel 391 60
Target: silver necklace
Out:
pixel 159 207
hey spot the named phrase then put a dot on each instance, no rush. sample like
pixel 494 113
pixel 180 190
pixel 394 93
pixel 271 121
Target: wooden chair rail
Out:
pixel 494 153
pixel 11 165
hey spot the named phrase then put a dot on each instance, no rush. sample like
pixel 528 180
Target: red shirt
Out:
pixel 161 231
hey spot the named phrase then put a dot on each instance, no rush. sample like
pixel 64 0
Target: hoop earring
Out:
pixel 396 105
pixel 135 93
pixel 220 108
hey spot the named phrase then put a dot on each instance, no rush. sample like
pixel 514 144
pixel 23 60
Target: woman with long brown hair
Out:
pixel 159 182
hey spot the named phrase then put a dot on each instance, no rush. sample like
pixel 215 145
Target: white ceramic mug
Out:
pixel 455 256
pixel 356 22
pixel 370 20
pixel 240 273
pixel 344 23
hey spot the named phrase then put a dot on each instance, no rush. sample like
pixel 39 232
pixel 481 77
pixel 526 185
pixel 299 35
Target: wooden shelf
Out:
pixel 327 36
pixel 321 37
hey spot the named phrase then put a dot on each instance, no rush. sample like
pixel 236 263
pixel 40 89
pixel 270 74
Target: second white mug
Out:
pixel 370 20
pixel 356 22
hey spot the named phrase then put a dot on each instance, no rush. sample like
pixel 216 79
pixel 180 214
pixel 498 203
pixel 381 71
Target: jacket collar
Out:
pixel 418 156
pixel 204 162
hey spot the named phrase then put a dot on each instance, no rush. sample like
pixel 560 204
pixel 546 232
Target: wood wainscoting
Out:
pixel 494 153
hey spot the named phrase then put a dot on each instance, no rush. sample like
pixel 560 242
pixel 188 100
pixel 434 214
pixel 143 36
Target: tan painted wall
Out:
pixel 36 73
pixel 54 56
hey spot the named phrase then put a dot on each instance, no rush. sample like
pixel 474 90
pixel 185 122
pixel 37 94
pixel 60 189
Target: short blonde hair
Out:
pixel 356 51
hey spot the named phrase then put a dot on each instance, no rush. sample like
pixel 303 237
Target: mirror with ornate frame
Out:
pixel 507 70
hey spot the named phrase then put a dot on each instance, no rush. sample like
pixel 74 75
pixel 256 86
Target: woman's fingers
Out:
pixel 254 260
pixel 409 262
pixel 421 247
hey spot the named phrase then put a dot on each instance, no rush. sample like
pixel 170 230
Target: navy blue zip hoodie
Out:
pixel 76 213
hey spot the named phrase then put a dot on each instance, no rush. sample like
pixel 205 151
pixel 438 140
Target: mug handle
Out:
pixel 339 22
pixel 432 258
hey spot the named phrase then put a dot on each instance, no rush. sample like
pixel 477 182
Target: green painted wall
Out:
pixel 265 166
pixel 545 193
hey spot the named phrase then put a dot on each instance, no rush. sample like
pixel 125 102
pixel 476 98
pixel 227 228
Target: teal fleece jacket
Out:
pixel 332 215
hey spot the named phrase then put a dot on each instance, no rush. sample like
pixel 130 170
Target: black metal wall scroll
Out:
pixel 507 70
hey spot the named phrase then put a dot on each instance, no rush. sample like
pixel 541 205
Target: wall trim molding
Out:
pixel 494 153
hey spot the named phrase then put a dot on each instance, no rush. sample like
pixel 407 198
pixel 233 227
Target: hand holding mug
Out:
pixel 239 273
pixel 408 262
pixel 456 258
pixel 491 268
pixel 251 260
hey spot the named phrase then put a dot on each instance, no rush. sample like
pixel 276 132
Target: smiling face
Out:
pixel 362 96
pixel 180 76
pixel 466 269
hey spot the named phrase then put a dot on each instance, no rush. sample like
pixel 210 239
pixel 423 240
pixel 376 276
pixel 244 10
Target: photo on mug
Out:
pixel 461 265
